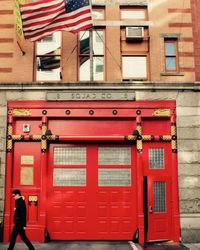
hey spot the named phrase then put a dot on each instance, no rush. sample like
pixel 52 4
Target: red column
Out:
pixel 140 191
pixel 175 196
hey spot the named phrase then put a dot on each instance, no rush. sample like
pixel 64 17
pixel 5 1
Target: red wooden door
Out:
pixel 91 192
pixel 159 208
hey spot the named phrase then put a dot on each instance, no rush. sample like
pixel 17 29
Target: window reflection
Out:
pixel 97 58
pixel 48 58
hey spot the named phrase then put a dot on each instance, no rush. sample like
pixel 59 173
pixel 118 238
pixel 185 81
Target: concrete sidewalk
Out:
pixel 102 245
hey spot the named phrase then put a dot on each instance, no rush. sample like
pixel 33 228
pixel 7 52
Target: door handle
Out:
pixel 150 209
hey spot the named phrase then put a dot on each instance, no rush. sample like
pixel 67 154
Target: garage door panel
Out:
pixel 104 208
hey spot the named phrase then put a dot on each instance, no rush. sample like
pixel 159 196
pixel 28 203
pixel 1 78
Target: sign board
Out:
pixel 18 24
pixel 90 95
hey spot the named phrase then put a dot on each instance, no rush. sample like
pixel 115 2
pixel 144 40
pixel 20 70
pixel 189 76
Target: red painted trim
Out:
pixel 90 104
pixel 8 191
pixel 176 10
pixel 91 138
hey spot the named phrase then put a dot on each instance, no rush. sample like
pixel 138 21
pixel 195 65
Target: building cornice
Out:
pixel 130 85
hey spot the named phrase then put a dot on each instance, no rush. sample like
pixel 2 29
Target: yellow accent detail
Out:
pixel 16 137
pixel 33 198
pixel 44 144
pixel 146 138
pixel 44 128
pixel 161 112
pixel 131 137
pixel 167 137
pixel 21 112
pixel 139 129
pixel 173 130
pixel 139 145
pixel 9 144
pixel 9 129
pixel 36 137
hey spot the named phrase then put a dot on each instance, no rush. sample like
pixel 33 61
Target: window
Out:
pixel 98 14
pixel 86 59
pixel 159 188
pixel 134 67
pixel 171 55
pixel 156 158
pixel 48 56
pixel 133 14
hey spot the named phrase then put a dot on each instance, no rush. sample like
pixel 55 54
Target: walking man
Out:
pixel 19 221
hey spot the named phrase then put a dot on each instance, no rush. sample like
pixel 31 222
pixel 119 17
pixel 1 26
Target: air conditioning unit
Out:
pixel 134 33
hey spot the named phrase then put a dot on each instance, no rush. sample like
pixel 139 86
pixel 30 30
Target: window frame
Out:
pixel 94 56
pixel 134 9
pixel 36 56
pixel 174 41
pixel 135 78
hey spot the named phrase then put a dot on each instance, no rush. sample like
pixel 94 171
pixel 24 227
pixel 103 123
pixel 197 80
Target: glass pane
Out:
pixel 70 156
pixel 114 177
pixel 84 42
pixel 132 14
pixel 69 177
pixel 98 14
pixel 170 63
pixel 156 158
pixel 98 68
pixel 169 49
pixel 98 46
pixel 114 156
pixel 84 68
pixel 48 58
pixel 48 68
pixel 134 66
pixel 159 196
pixel 49 45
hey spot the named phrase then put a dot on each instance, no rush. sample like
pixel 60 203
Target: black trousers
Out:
pixel 18 229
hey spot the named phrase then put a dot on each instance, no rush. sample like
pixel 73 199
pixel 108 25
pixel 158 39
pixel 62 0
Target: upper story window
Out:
pixel 48 57
pixel 134 67
pixel 98 14
pixel 171 58
pixel 127 13
pixel 91 41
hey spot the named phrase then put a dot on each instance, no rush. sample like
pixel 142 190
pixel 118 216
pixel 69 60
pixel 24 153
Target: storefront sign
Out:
pixel 90 95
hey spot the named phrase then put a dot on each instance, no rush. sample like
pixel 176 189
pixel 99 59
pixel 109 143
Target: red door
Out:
pixel 159 208
pixel 91 192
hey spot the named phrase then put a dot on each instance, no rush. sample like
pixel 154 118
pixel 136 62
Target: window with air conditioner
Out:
pixel 134 33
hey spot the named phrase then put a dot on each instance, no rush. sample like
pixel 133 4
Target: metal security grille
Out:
pixel 114 156
pixel 156 158
pixel 114 177
pixel 69 177
pixel 159 196
pixel 69 156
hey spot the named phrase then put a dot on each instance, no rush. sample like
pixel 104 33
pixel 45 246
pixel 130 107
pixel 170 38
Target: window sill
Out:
pixel 172 74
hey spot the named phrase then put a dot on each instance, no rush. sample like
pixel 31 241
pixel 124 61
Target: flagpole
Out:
pixel 91 55
pixel 23 52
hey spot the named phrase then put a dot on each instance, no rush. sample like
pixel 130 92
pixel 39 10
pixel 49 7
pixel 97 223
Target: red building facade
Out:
pixel 97 141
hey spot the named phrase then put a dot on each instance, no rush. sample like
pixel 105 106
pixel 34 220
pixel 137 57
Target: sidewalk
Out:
pixel 102 245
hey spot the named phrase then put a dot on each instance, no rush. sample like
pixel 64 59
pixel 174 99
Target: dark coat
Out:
pixel 20 212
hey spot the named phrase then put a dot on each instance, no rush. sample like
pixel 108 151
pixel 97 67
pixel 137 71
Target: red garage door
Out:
pixel 91 192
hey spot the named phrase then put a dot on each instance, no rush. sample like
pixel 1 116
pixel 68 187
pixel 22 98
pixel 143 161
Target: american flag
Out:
pixel 42 18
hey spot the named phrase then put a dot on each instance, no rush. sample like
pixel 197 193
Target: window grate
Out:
pixel 159 196
pixel 69 156
pixel 114 156
pixel 156 158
